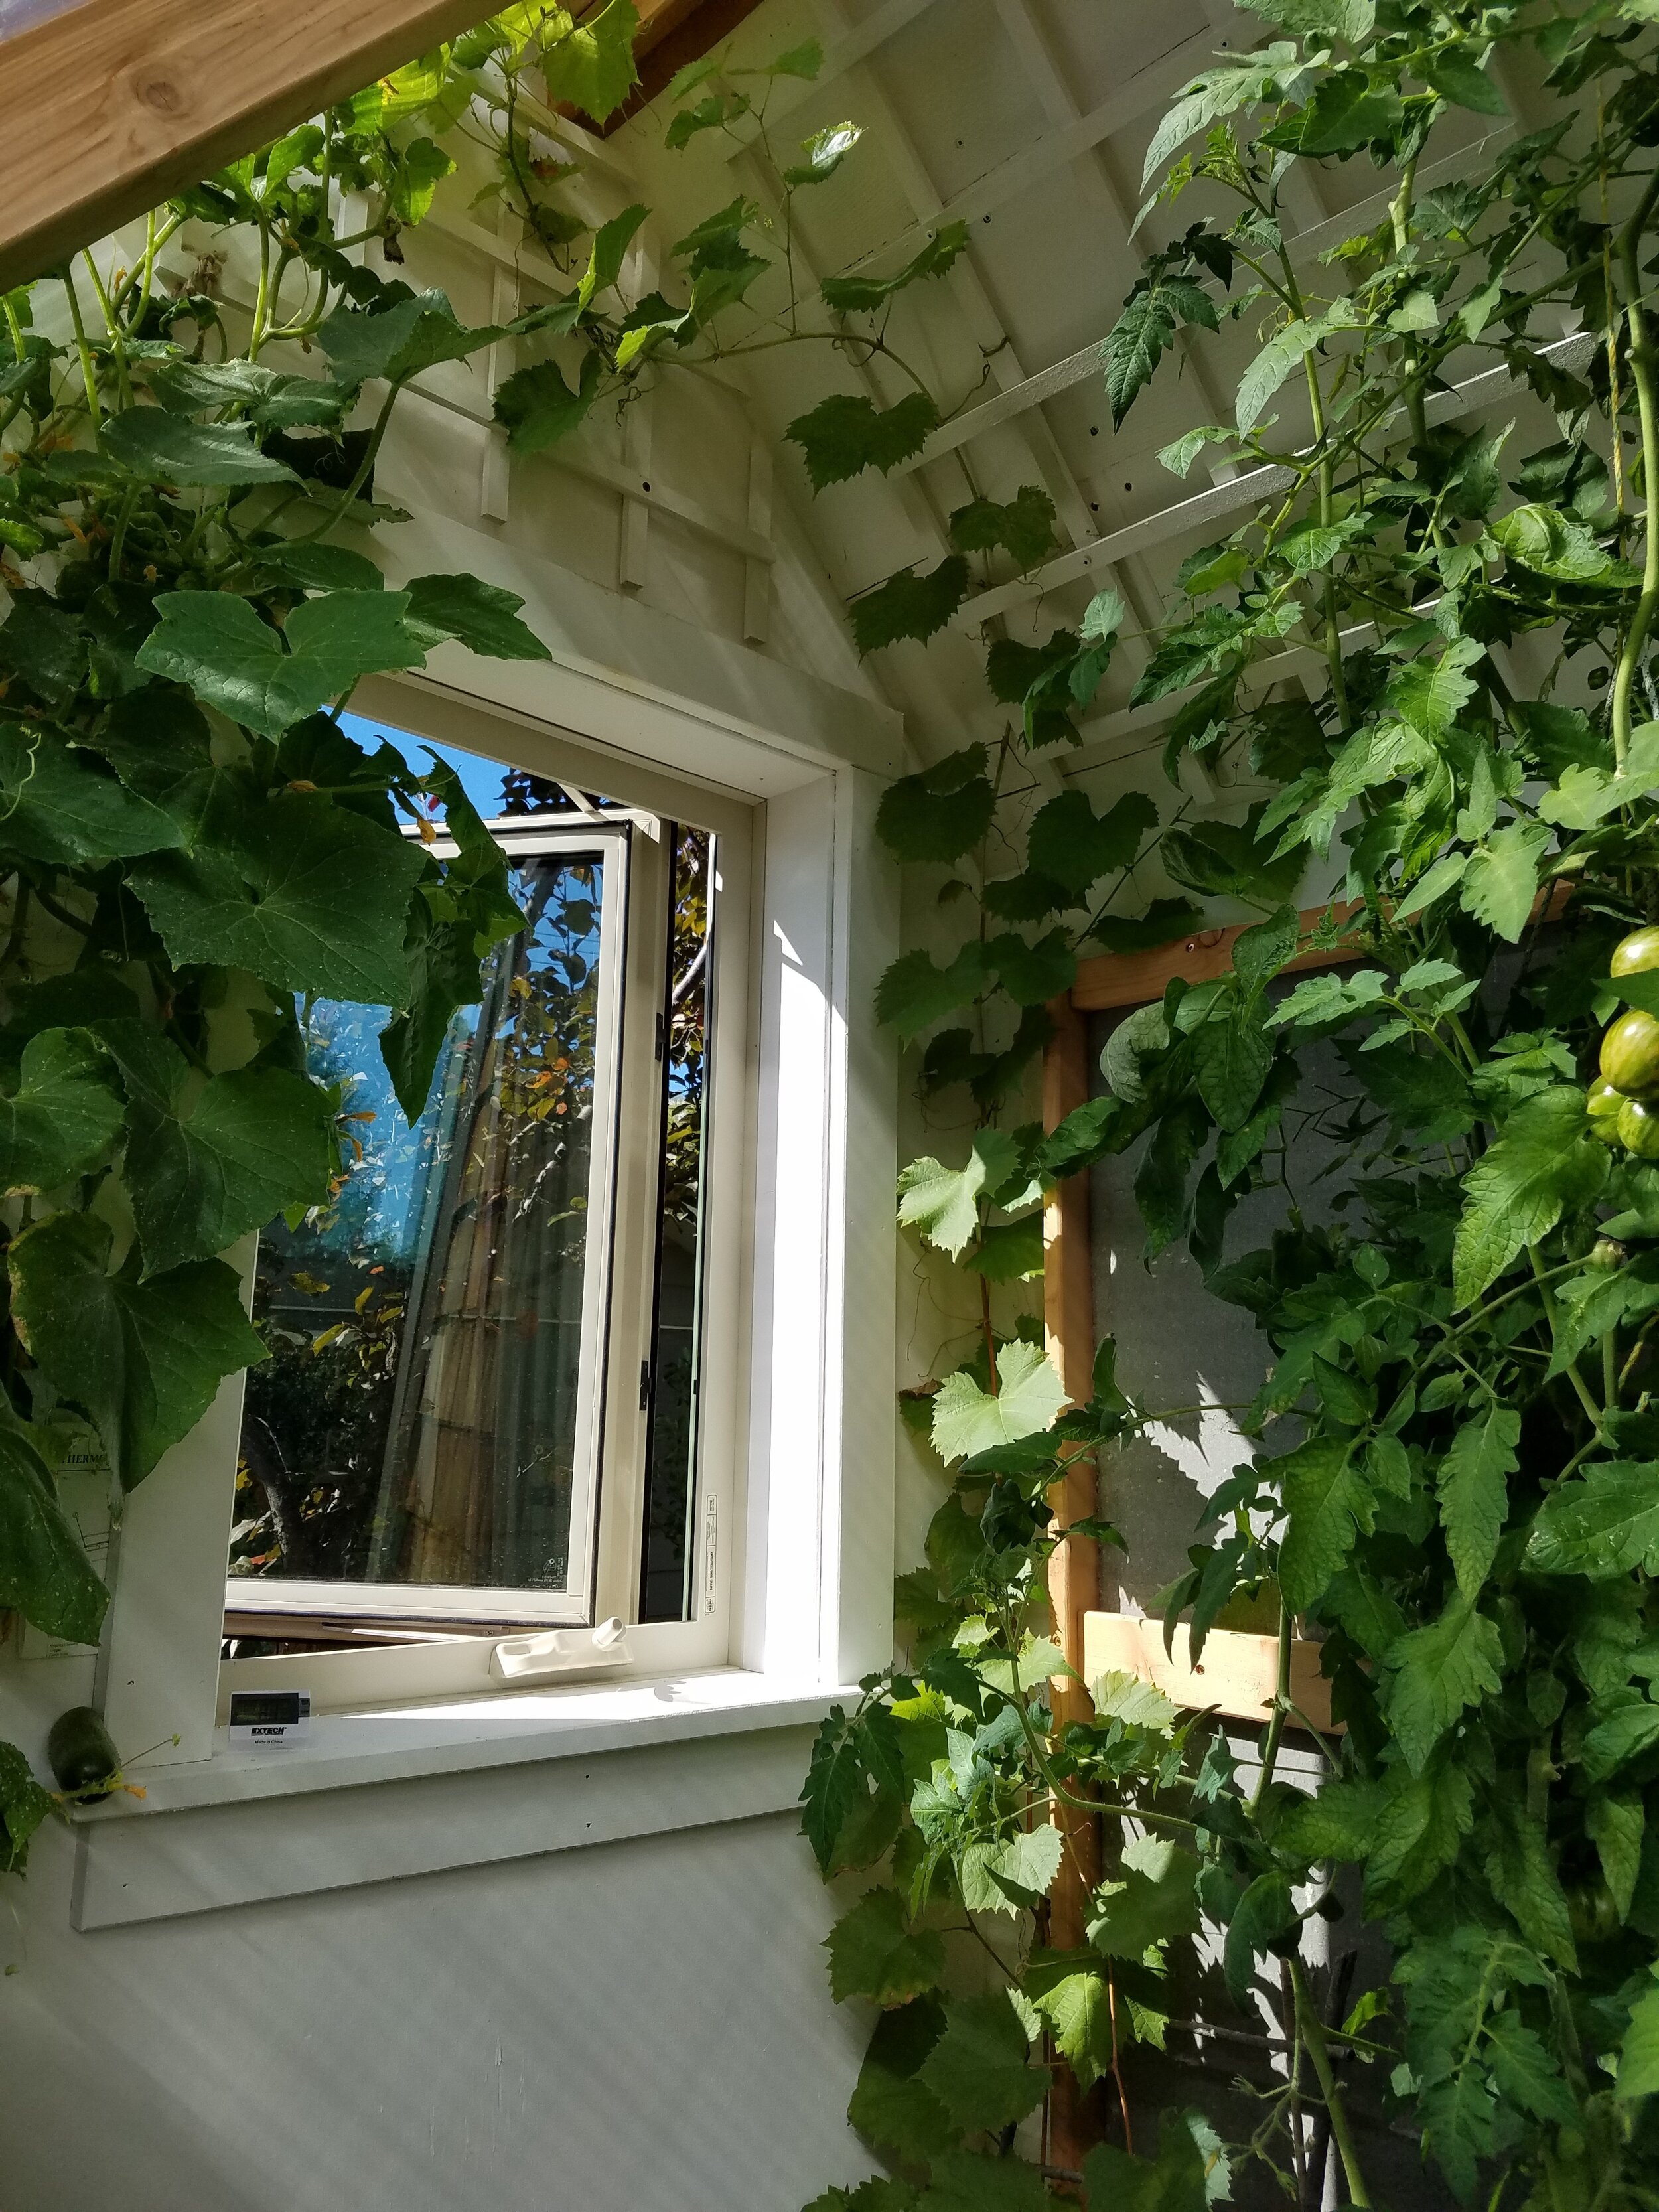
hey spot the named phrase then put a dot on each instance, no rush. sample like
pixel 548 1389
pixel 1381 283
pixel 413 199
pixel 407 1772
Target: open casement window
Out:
pixel 496 1321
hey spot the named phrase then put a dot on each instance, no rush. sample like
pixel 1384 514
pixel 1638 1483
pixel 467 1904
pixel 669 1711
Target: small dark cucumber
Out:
pixel 81 1752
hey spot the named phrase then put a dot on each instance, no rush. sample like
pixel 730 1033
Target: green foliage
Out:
pixel 909 605
pixel 190 846
pixel 864 296
pixel 1453 1488
pixel 844 434
pixel 874 1955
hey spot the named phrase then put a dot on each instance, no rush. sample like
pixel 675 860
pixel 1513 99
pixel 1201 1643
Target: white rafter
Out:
pixel 985 325
pixel 1187 514
pixel 854 45
pixel 1136 97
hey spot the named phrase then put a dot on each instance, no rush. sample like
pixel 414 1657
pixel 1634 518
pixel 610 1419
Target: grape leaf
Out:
pixel 1031 974
pixel 942 1202
pixel 591 66
pixel 909 605
pixel 844 434
pixel 912 992
pixel 967 1419
pixel 1024 526
pixel 980 2069
pixel 1029 1860
pixel 941 813
pixel 1072 845
pixel 1154 1900
pixel 874 1954
pixel 321 568
pixel 1177 2181
pixel 536 407
pixel 863 295
pixel 1117 1696
pixel 889 2104
pixel 966 2181
pixel 1079 2012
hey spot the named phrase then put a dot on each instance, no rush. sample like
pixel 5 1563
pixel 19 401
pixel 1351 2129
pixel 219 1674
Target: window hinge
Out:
pixel 662 1036
pixel 645 1386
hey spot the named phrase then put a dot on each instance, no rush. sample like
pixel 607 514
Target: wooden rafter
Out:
pixel 671 33
pixel 127 101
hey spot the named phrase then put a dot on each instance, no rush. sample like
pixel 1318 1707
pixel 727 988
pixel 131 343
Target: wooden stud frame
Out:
pixel 128 101
pixel 1230 1679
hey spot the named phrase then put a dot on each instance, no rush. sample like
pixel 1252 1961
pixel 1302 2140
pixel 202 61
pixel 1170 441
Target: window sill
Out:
pixel 383 1794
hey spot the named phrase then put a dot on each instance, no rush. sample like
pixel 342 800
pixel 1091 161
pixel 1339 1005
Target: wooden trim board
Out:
pixel 1074 1563
pixel 1237 1674
pixel 1111 980
pixel 1135 979
pixel 127 101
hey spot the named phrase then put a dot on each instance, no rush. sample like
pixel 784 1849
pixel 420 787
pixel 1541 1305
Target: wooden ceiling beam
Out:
pixel 671 33
pixel 128 101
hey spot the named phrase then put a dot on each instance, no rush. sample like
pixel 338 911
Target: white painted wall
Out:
pixel 635 2028
pixel 629 2026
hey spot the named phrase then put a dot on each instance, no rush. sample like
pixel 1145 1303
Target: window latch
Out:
pixel 645 1386
pixel 662 1037
pixel 559 1650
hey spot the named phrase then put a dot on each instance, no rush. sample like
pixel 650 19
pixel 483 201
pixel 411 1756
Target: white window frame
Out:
pixel 436 1604
pixel 795 1505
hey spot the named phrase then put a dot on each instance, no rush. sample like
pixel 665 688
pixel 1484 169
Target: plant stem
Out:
pixel 1311 2030
pixel 1586 1399
pixel 1281 1706
pixel 1327 486
pixel 1400 213
pixel 1641 369
pixel 89 375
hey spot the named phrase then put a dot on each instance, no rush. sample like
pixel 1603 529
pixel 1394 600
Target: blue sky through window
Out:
pixel 481 778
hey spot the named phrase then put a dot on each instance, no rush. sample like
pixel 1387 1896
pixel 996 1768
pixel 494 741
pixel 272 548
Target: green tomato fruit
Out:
pixel 1635 954
pixel 1630 1055
pixel 1638 1128
pixel 1602 1098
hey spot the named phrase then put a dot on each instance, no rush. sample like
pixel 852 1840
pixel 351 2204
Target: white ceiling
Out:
pixel 1029 120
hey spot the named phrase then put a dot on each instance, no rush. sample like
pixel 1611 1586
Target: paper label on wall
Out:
pixel 83 1491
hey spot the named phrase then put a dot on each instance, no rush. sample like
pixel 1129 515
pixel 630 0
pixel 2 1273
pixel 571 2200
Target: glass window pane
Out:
pixel 670 1454
pixel 418 1420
